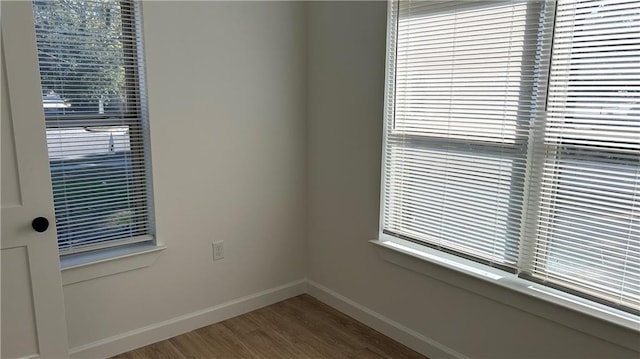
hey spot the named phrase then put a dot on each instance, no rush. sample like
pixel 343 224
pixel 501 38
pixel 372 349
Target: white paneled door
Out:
pixel 33 314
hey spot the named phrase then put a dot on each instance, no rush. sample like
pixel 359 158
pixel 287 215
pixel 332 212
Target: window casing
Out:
pixel 94 100
pixel 512 138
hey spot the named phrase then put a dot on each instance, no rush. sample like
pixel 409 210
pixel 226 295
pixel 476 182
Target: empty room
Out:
pixel 320 179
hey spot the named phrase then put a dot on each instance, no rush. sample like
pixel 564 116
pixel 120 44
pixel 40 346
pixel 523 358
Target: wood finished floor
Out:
pixel 300 327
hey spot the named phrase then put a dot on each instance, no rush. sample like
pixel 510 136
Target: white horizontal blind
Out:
pixel 460 101
pixel 587 236
pixel 89 53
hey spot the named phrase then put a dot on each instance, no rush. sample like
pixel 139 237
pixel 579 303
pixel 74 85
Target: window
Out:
pixel 93 95
pixel 512 138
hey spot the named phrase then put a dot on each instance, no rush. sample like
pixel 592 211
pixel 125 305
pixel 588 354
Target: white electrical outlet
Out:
pixel 218 250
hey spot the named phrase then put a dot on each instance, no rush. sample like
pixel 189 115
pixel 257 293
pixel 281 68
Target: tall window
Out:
pixel 512 138
pixel 90 56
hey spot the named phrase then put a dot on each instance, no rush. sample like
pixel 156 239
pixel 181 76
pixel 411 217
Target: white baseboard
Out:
pixel 384 325
pixel 137 338
pixel 150 334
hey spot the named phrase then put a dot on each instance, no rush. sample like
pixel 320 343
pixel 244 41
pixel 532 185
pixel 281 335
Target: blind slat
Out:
pixel 89 53
pixel 512 135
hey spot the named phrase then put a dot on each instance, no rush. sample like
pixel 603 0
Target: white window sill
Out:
pixel 583 315
pixel 101 263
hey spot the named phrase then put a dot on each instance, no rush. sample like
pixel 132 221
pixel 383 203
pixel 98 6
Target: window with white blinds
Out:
pixel 93 96
pixel 512 137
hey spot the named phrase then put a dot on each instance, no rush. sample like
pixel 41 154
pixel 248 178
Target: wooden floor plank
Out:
pixel 253 331
pixel 298 335
pixel 224 342
pixel 159 350
pixel 193 345
pixel 323 328
pixel 367 354
pixel 300 327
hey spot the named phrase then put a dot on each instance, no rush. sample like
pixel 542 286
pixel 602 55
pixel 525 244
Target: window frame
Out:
pixel 518 150
pixel 135 117
pixel 519 280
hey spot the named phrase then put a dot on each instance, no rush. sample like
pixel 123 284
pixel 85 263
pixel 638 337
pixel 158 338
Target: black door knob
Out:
pixel 40 224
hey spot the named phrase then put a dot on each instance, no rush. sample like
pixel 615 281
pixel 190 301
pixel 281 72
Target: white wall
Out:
pixel 226 85
pixel 346 79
